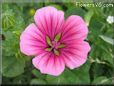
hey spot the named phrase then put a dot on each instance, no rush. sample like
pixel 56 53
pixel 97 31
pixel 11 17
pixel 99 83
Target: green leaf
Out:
pixel 13 61
pixel 37 81
pixel 99 70
pixel 107 39
pixel 8 19
pixel 88 16
pixel 75 11
pixel 56 79
pixel 20 23
pixel 94 29
pixel 12 66
pixel 102 80
pixel 36 73
pixel 82 73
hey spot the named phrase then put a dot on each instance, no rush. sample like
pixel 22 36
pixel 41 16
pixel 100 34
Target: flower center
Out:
pixel 55 45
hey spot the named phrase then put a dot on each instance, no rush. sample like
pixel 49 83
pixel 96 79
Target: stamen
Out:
pixel 48 40
pixel 48 49
pixel 61 46
pixel 57 37
pixel 56 52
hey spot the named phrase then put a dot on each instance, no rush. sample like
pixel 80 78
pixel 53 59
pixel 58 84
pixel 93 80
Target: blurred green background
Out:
pixel 17 67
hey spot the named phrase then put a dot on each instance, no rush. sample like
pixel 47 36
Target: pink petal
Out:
pixel 49 20
pixel 76 54
pixel 74 29
pixel 49 64
pixel 32 41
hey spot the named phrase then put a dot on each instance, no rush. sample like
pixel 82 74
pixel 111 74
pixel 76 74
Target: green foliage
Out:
pixel 102 80
pixel 37 81
pixel 107 39
pixel 88 16
pixel 13 60
pixel 73 10
pixel 12 66
pixel 17 68
pixel 8 19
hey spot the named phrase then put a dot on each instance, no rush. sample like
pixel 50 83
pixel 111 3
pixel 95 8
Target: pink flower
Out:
pixel 55 42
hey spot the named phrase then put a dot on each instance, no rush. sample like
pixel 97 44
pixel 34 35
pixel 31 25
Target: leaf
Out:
pixel 94 29
pixel 101 70
pixel 10 49
pixel 12 67
pixel 102 80
pixel 88 16
pixel 36 73
pixel 75 11
pixel 13 61
pixel 56 79
pixel 8 19
pixel 20 23
pixel 37 81
pixel 107 39
pixel 82 73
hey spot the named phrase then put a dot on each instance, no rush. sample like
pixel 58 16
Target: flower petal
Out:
pixel 49 20
pixel 49 64
pixel 74 28
pixel 32 41
pixel 75 54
